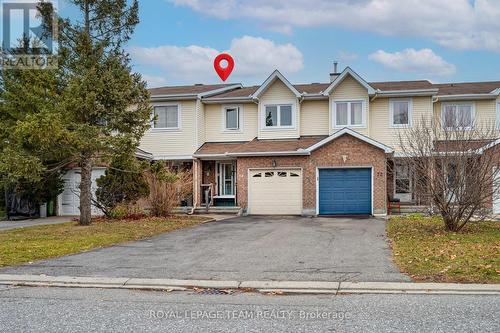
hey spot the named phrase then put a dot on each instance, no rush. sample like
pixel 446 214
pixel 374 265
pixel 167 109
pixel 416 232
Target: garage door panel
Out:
pixel 275 192
pixel 345 191
pixel 70 197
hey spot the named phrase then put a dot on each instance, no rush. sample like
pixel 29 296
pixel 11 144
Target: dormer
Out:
pixel 349 102
pixel 279 108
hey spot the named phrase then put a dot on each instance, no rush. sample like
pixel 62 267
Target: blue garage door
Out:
pixel 345 191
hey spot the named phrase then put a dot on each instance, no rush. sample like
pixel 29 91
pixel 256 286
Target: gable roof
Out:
pixel 355 134
pixel 276 75
pixel 304 145
pixel 488 146
pixel 216 92
pixel 342 76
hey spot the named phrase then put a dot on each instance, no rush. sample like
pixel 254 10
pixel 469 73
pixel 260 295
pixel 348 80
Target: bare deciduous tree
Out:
pixel 457 162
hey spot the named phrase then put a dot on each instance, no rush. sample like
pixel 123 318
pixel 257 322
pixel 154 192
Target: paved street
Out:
pixel 86 310
pixel 9 225
pixel 244 248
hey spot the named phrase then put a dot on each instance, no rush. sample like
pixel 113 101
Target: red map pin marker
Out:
pixel 224 72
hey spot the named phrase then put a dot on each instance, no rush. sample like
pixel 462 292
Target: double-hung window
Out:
pixel 400 112
pixel 278 116
pixel 166 116
pixel 498 115
pixel 348 113
pixel 231 116
pixel 457 116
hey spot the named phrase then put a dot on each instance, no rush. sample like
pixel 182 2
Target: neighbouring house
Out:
pixel 311 149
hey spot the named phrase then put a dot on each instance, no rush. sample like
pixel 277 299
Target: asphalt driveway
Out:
pixel 243 248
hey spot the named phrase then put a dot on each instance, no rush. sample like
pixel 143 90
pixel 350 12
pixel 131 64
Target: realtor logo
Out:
pixel 29 41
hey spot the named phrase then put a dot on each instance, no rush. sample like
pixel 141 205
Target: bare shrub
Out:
pixel 166 188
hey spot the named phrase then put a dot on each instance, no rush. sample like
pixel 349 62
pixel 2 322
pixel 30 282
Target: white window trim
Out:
pixel 349 101
pixel 391 112
pixel 473 115
pixel 167 129
pixel 498 114
pixel 278 104
pixel 240 118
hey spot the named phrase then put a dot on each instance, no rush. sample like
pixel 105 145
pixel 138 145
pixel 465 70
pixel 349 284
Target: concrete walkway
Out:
pixel 9 225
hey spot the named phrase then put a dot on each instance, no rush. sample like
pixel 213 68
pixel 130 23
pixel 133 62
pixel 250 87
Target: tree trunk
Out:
pixel 86 192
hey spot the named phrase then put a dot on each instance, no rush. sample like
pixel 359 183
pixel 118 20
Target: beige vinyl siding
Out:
pixel 314 118
pixel 381 129
pixel 214 122
pixel 173 143
pixel 350 89
pixel 485 112
pixel 200 112
pixel 277 93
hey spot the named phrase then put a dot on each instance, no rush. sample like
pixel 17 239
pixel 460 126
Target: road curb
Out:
pixel 276 287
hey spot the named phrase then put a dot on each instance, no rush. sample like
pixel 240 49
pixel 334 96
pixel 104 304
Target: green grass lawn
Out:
pixel 34 243
pixel 426 252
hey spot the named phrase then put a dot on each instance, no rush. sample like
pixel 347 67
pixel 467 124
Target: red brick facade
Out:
pixel 359 153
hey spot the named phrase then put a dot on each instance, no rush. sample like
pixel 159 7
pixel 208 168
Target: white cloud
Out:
pixel 458 24
pixel 154 81
pixel 347 56
pixel 253 56
pixel 423 62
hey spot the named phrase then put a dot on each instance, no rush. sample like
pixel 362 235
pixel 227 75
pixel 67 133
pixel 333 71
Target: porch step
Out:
pixel 212 210
pixel 218 210
pixel 409 209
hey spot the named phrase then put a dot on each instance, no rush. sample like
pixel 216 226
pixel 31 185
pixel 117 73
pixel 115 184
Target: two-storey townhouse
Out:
pixel 314 149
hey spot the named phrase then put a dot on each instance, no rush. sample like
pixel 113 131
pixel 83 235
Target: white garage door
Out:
pixel 276 192
pixel 496 200
pixel 69 199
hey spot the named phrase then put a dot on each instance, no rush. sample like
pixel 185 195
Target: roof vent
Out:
pixel 335 73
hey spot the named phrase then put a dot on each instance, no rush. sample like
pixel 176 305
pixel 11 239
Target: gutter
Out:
pixel 274 153
pixel 314 97
pixel 301 152
pixel 228 100
pixel 405 93
pixel 465 97
pixel 195 96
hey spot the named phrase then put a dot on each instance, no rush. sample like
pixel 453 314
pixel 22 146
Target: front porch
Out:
pixel 215 184
pixel 404 187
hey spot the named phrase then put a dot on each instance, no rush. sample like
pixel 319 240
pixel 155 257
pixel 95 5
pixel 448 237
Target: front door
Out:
pixel 403 182
pixel 226 184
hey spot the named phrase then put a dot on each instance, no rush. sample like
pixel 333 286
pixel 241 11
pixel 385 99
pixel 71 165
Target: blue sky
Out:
pixel 445 40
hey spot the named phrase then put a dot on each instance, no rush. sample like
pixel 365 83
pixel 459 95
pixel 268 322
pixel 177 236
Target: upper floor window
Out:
pixel 498 115
pixel 166 116
pixel 348 113
pixel 279 115
pixel 400 112
pixel 457 115
pixel 231 118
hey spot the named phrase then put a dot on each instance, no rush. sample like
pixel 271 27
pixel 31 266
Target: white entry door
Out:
pixel 69 199
pixel 277 192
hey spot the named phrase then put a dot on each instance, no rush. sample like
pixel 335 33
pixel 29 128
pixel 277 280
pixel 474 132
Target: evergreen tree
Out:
pixel 95 107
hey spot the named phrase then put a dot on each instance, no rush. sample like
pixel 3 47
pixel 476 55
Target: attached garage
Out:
pixel 69 199
pixel 345 191
pixel 275 191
